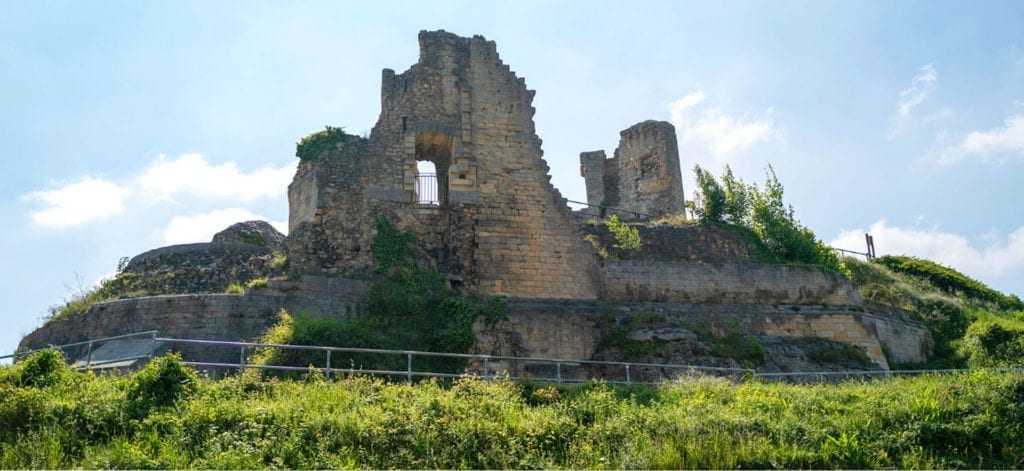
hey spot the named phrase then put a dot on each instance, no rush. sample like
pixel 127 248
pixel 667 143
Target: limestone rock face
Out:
pixel 258 233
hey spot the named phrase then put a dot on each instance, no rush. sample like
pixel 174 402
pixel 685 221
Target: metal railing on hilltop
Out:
pixel 565 371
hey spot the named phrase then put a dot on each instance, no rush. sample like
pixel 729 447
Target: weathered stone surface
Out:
pixel 196 268
pixel 500 225
pixel 688 243
pixel 642 180
pixel 258 233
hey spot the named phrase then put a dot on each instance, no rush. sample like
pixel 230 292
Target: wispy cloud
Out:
pixel 90 199
pixel 87 200
pixel 994 257
pixel 711 128
pixel 911 97
pixel 192 174
pixel 202 227
pixel 1000 142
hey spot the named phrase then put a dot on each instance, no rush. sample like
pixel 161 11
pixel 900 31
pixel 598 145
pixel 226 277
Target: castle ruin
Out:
pixel 491 222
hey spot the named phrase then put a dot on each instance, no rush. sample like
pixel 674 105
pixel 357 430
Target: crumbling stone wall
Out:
pixel 191 316
pixel 196 268
pixel 569 329
pixel 689 243
pixel 500 227
pixel 642 179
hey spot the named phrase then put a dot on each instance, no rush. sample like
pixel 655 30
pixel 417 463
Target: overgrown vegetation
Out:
pixel 107 290
pixel 80 420
pixel 253 237
pixel 949 280
pixel 627 238
pixel 760 211
pixel 311 146
pixel 260 282
pixel 408 307
pixel 971 324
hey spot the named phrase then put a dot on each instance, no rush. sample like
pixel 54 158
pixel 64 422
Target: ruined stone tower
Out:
pixel 498 226
pixel 642 179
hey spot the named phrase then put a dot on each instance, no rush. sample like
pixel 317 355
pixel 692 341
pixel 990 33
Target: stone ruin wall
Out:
pixel 688 243
pixel 642 180
pixel 702 283
pixel 504 228
pixel 197 268
pixel 569 329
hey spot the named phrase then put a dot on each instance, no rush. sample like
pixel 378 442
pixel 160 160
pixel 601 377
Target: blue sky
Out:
pixel 126 126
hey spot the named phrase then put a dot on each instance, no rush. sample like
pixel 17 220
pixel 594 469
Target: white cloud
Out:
pixel 202 227
pixel 711 128
pixel 999 142
pixel 995 257
pixel 191 173
pixel 90 199
pixel 920 87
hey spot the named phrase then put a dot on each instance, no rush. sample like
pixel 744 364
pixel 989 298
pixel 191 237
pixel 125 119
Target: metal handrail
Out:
pixel 409 373
pixel 84 342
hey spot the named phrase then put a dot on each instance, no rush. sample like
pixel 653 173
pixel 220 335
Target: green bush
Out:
pixel 311 146
pixel 994 342
pixel 760 212
pixel 627 239
pixel 160 383
pixel 235 288
pixel 43 368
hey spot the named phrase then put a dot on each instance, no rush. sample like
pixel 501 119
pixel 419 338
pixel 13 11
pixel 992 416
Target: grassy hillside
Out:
pixel 972 325
pixel 166 417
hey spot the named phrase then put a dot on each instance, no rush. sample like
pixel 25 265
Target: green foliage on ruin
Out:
pixel 408 307
pixel 970 323
pixel 761 212
pixel 124 284
pixel 311 146
pixel 180 421
pixel 627 238
pixel 253 237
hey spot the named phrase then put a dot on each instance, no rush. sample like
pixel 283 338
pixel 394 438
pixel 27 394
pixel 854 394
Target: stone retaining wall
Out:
pixel 752 283
pixel 569 329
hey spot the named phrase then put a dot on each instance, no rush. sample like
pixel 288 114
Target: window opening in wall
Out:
pixel 433 159
pixel 426 183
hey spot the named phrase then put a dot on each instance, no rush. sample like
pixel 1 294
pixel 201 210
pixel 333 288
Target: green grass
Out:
pixel 971 324
pixel 971 420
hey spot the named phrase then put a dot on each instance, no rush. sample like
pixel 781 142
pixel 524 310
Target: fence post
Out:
pixel 88 357
pixel 241 360
pixel 408 367
pixel 627 374
pixel 485 367
pixel 558 371
pixel 328 372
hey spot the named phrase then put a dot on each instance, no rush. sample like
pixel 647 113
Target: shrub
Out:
pixel 762 213
pixel 43 368
pixel 160 383
pixel 993 342
pixel 627 239
pixel 311 146
pixel 235 288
